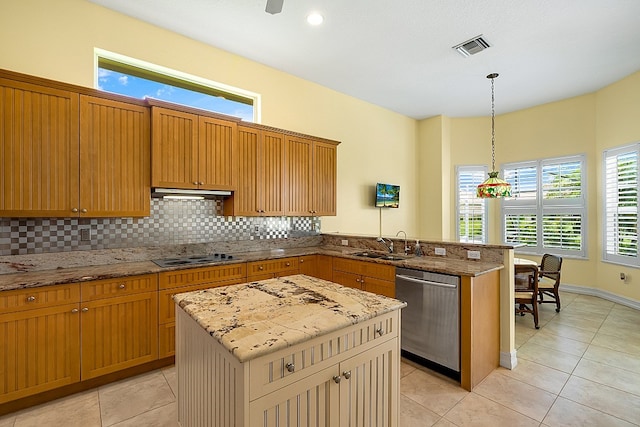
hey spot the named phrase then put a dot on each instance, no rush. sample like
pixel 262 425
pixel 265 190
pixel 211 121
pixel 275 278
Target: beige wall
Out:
pixel 56 40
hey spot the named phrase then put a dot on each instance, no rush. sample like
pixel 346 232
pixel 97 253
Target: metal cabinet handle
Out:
pixel 357 280
pixel 301 260
pixel 380 331
pixel 75 310
pixel 337 379
pixel 85 309
pixel 346 375
pixel 31 298
pixel 290 367
pixel 260 268
pixel 288 264
pixel 195 182
pixel 83 210
pixel 74 210
pixel 121 286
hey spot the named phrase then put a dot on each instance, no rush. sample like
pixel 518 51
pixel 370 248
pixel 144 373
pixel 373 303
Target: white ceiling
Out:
pixel 398 53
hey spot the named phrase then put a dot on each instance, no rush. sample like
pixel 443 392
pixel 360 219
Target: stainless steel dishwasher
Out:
pixel 431 319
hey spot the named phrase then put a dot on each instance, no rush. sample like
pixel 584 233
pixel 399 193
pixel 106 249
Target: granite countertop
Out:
pixel 19 272
pixel 254 319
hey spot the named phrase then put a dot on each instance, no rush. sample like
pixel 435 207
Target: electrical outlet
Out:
pixel 473 254
pixel 85 234
pixel 345 242
pixel 441 251
pixel 256 228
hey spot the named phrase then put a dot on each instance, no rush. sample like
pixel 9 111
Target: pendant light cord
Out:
pixel 493 126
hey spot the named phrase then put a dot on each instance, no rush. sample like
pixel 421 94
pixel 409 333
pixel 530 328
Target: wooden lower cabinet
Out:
pixel 193 279
pixel 367 276
pixel 119 324
pixel 262 270
pixel 39 350
pixel 348 377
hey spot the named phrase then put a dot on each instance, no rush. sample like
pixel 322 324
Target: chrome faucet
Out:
pixel 384 242
pixel 406 247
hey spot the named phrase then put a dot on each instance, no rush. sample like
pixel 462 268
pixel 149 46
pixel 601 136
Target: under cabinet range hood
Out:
pixel 180 193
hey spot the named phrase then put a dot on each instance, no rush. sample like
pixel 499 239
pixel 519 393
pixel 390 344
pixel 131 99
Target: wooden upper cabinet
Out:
pixel 299 175
pixel 324 178
pixel 39 163
pixel 260 188
pixel 310 177
pixel 174 149
pixel 216 154
pixel 190 151
pixel 114 158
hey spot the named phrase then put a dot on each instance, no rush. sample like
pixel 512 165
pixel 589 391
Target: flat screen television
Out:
pixel 387 196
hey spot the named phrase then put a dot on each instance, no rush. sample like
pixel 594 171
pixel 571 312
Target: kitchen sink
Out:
pixel 382 255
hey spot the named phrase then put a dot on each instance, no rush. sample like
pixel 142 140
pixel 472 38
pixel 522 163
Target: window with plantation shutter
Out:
pixel 621 205
pixel 547 209
pixel 471 225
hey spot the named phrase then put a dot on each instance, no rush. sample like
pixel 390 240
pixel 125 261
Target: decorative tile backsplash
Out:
pixel 171 222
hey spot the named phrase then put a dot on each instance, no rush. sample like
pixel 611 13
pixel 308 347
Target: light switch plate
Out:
pixel 441 251
pixel 345 242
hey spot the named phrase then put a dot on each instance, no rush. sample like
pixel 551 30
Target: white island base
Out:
pixel 346 377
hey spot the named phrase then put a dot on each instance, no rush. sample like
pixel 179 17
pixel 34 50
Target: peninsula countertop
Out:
pixel 257 318
pixel 30 271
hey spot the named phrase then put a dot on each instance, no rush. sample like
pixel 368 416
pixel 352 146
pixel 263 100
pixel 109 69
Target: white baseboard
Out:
pixel 583 290
pixel 508 360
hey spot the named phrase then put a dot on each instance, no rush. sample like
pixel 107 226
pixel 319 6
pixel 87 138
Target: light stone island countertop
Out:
pixel 254 319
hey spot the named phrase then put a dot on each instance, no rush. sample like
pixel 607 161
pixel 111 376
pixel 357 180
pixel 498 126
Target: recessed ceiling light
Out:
pixel 315 18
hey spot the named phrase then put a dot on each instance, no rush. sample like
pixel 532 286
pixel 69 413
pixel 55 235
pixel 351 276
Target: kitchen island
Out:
pixel 294 349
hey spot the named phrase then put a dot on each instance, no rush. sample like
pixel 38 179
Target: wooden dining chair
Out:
pixel 526 291
pixel 549 279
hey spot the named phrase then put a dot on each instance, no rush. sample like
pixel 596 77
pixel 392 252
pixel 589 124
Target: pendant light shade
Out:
pixel 493 187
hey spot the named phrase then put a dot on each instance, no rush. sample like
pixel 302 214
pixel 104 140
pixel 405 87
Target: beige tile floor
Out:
pixel 581 368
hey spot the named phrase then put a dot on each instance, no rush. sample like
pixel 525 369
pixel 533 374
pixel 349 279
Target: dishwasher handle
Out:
pixel 425 282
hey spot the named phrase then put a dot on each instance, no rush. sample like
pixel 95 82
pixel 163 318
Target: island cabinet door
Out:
pixel 369 387
pixel 311 402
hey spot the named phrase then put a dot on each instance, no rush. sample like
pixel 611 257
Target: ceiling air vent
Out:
pixel 471 47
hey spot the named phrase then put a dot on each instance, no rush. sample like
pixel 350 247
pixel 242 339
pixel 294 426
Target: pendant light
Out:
pixel 493 187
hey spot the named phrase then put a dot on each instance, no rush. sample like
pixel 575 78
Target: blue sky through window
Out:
pixel 124 84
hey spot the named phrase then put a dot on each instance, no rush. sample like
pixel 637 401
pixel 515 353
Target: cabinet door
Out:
pixel 308 265
pixel 39 151
pixel 310 402
pixel 324 179
pixel 379 286
pixel 118 333
pixel 39 350
pixel 369 389
pixel 271 176
pixel 174 149
pixel 347 279
pixel 217 154
pixel 114 158
pixel 245 198
pixel 325 267
pixel 298 176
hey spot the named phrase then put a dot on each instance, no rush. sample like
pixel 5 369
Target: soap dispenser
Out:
pixel 418 250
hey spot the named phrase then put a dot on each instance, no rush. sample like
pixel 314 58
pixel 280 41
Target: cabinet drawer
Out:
pixel 370 269
pixel 45 296
pixel 347 279
pixel 275 266
pixel 380 287
pixel 108 288
pixel 195 276
pixel 282 368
